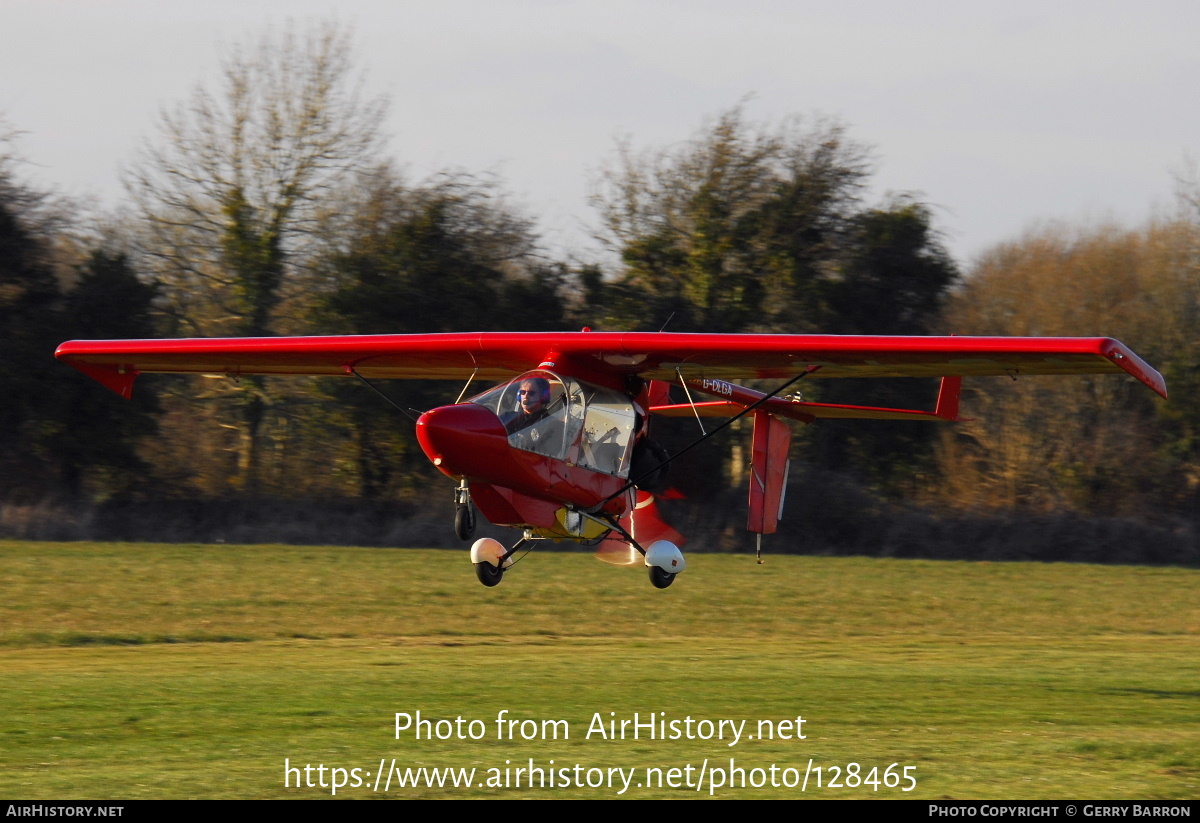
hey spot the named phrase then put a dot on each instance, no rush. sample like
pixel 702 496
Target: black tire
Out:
pixel 660 578
pixel 464 522
pixel 490 575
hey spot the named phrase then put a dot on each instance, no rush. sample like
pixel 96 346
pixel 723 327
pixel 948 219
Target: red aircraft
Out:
pixel 560 447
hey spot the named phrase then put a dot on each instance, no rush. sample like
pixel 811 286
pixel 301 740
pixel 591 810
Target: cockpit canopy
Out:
pixel 565 418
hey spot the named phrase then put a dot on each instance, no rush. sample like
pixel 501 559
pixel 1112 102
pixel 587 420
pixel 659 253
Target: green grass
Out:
pixel 194 671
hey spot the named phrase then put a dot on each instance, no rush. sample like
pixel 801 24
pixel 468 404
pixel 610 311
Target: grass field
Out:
pixel 194 671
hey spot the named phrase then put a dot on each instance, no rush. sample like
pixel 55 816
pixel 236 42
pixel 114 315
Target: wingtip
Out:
pixel 118 379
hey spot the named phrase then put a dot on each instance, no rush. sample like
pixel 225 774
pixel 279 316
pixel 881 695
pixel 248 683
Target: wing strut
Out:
pixel 688 392
pixel 379 392
pixel 466 386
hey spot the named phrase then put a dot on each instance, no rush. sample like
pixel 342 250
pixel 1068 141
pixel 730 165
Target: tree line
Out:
pixel 261 208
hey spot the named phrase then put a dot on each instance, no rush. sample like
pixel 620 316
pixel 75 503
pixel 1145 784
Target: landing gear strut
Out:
pixel 464 516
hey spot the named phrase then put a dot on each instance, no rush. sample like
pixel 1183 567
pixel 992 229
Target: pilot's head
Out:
pixel 533 394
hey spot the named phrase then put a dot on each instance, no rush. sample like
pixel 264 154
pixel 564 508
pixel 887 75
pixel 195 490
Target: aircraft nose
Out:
pixel 461 439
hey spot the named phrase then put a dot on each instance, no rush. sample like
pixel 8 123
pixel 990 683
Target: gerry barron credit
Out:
pixel 722 772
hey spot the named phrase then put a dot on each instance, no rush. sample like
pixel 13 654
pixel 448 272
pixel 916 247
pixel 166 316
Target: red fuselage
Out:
pixel 469 441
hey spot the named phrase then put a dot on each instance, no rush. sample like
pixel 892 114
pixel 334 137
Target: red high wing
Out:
pixel 497 355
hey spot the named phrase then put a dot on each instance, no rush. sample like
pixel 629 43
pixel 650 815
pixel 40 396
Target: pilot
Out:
pixel 534 396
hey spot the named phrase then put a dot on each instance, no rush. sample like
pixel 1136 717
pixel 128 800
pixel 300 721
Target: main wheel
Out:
pixel 490 575
pixel 464 522
pixel 660 578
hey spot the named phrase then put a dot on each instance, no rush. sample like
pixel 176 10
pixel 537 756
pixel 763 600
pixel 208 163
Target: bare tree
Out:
pixel 1091 443
pixel 232 188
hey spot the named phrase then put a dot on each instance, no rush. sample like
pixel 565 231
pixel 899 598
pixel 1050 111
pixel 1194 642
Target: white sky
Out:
pixel 998 114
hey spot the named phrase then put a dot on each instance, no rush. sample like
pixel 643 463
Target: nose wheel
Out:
pixel 464 514
pixel 464 522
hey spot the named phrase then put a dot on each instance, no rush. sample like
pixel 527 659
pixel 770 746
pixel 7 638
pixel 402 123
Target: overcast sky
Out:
pixel 998 114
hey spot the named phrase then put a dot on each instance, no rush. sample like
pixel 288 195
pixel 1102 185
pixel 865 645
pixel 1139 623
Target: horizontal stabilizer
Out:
pixel 806 412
